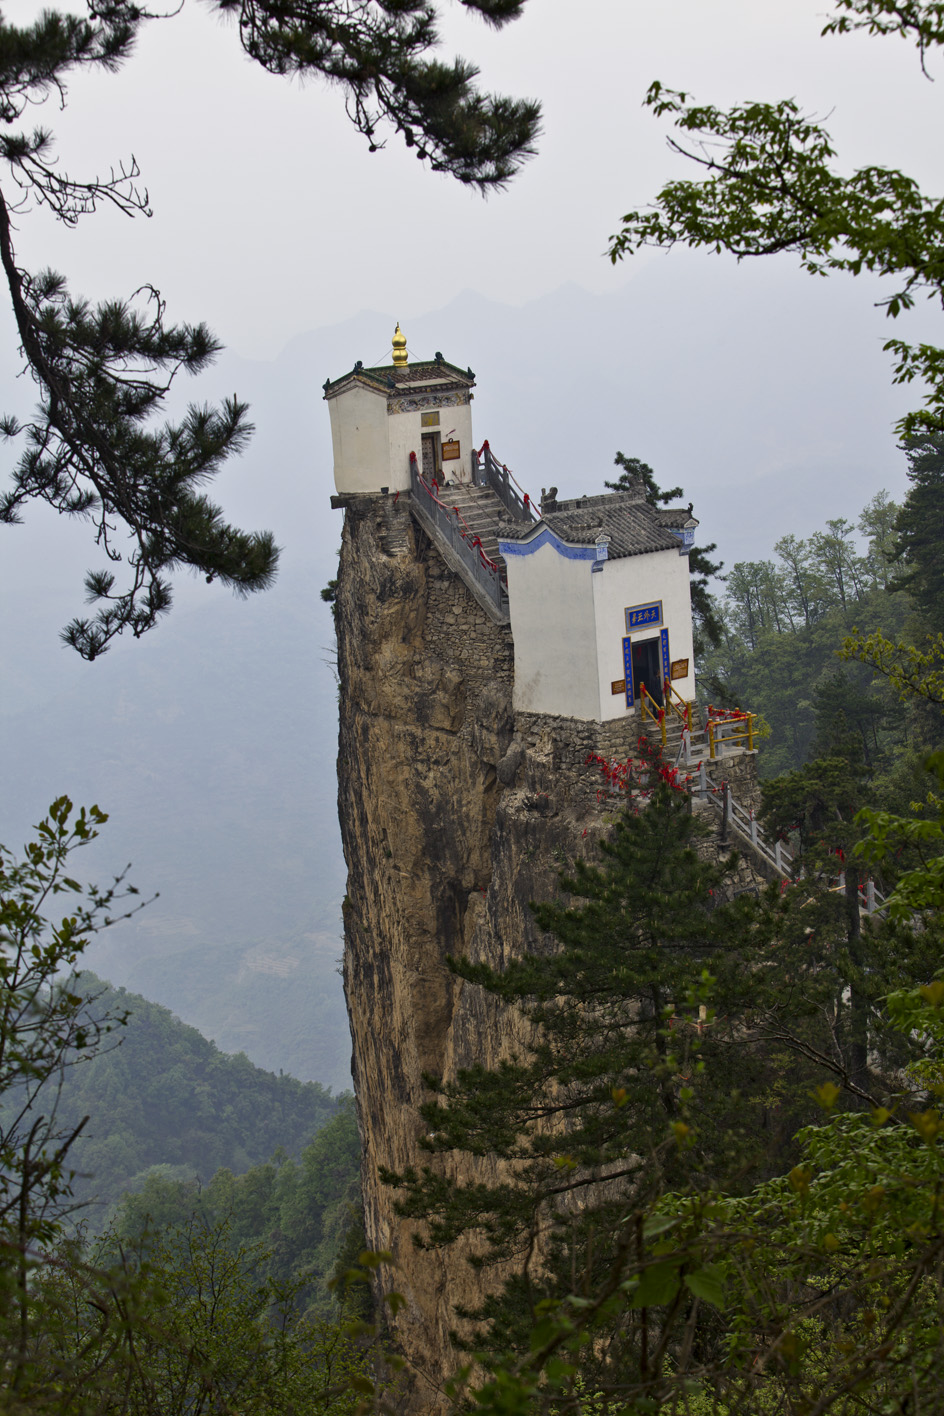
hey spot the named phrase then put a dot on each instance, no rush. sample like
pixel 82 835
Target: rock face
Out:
pixel 454 814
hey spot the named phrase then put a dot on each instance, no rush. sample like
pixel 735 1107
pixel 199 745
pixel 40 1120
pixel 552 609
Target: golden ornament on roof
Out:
pixel 399 347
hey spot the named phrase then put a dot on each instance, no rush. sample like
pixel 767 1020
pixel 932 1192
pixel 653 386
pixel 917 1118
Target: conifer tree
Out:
pixel 618 1012
pixel 677 1042
pixel 919 527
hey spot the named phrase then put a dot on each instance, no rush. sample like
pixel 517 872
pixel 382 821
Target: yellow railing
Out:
pixel 676 704
pixel 728 729
pixel 651 710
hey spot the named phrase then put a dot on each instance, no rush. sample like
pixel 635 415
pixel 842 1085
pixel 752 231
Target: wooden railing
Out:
pixel 728 728
pixel 651 711
pixel 677 705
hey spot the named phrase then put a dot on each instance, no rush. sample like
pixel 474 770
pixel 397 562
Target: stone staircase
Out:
pixel 462 521
pixel 480 510
pixel 672 752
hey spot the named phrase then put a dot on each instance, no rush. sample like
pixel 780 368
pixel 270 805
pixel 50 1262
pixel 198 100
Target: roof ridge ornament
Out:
pixel 400 356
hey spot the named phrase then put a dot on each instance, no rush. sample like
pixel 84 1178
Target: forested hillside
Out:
pixel 795 650
pixel 305 1211
pixel 163 1095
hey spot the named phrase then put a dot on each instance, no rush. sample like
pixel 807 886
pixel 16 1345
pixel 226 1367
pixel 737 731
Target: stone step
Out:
pixel 480 511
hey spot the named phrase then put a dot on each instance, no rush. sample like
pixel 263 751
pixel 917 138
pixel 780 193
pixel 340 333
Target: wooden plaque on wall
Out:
pixel 679 668
pixel 450 450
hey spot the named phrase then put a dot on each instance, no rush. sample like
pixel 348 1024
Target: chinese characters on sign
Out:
pixel 639 616
pixel 628 670
pixel 450 450
pixel 679 668
pixel 618 686
pixel 664 636
pixel 429 420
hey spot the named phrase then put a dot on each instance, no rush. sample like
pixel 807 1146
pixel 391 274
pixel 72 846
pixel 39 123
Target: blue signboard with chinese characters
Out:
pixel 628 670
pixel 642 616
pixel 666 661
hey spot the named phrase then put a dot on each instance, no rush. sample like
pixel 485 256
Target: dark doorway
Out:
pixel 432 458
pixel 647 668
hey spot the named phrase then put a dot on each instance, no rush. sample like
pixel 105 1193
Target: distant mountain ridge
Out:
pixel 165 1096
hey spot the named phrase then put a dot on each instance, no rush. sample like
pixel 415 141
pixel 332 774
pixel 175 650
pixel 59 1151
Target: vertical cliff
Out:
pixel 454 814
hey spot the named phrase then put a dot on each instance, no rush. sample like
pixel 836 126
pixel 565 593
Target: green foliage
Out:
pixel 919 892
pixel 821 643
pixel 819 1291
pixel 47 1023
pixel 787 621
pixel 187 1318
pixel 304 1212
pixel 93 448
pixel 380 55
pixel 770 185
pixel 670 1038
pixel 187 1323
pixel 666 1246
pixel 912 672
pixel 919 528
pixel 817 1288
pixel 169 1097
pixel 632 471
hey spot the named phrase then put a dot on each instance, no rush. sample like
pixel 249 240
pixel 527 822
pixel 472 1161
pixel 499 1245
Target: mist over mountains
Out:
pixel 212 741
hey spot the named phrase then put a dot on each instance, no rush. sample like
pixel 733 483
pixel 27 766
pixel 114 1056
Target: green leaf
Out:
pixel 658 1224
pixel 658 1286
pixel 708 1284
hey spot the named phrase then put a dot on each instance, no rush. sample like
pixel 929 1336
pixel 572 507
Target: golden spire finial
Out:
pixel 400 356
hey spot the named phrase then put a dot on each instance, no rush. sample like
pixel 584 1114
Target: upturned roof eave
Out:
pixel 375 378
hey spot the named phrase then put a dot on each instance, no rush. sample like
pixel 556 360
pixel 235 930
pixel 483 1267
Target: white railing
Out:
pixel 744 821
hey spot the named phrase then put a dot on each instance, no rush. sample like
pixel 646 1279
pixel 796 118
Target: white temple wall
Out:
pixel 403 437
pixel 360 440
pixel 552 621
pixel 640 580
pixel 405 433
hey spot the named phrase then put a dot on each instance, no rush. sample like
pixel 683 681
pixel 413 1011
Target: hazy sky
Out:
pixel 271 216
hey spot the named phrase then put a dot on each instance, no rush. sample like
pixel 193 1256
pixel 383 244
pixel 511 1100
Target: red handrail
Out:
pixel 487 447
pixel 467 535
pixel 727 715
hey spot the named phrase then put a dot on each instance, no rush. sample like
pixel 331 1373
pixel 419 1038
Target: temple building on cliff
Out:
pixel 595 588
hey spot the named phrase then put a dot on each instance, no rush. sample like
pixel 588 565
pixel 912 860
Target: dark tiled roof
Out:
pixel 633 526
pixel 388 377
pixel 679 517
